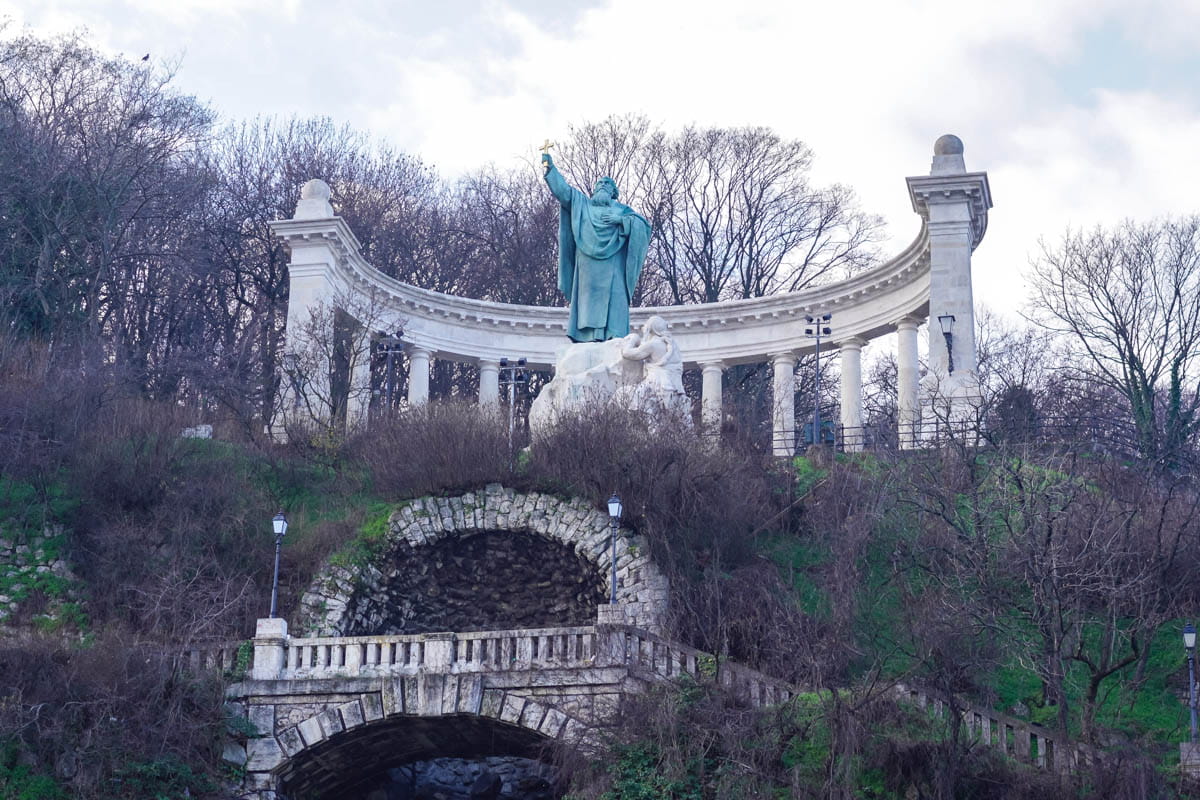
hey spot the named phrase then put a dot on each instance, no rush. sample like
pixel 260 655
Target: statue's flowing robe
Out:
pixel 598 264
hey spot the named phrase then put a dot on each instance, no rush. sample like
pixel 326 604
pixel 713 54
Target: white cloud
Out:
pixel 869 85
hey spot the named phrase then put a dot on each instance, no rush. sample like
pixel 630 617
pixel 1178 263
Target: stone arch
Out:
pixel 328 608
pixel 345 746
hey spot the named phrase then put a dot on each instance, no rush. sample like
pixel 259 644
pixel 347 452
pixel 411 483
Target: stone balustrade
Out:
pixel 646 655
pixel 222 657
pixel 1015 738
pixel 453 653
pixel 649 655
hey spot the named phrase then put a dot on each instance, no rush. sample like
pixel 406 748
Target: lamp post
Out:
pixel 614 518
pixel 819 327
pixel 1189 643
pixel 512 375
pixel 391 345
pixel 280 525
pixel 947 323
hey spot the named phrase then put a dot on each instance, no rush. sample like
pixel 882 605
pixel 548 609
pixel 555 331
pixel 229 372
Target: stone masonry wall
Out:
pixel 496 580
pixel 32 565
pixel 346 600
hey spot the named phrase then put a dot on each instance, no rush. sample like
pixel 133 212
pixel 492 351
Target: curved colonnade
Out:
pixel 929 278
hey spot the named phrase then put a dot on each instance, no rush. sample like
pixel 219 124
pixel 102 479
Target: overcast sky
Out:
pixel 1081 111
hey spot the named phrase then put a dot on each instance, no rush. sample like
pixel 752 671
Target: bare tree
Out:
pixel 99 170
pixel 1129 300
pixel 733 210
pixel 504 233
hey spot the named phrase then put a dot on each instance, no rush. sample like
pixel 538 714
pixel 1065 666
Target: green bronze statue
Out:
pixel 601 247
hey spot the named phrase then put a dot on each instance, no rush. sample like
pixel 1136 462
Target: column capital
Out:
pixel 783 355
pixel 494 363
pixel 911 322
pixel 853 343
pixel 709 366
pixel 419 350
pixel 961 200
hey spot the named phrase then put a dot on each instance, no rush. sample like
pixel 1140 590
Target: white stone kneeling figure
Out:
pixel 661 387
pixel 641 372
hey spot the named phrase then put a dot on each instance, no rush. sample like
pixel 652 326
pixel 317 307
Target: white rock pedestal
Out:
pixel 586 374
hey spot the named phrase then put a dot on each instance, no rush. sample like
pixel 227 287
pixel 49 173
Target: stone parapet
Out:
pixel 1014 738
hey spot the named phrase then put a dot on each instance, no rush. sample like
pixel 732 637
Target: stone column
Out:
pixel 783 400
pixel 907 377
pixel 710 398
pixel 489 382
pixel 418 375
pixel 852 432
pixel 358 404
pixel 311 289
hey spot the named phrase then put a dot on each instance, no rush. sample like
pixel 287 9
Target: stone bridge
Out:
pixel 371 683
pixel 333 714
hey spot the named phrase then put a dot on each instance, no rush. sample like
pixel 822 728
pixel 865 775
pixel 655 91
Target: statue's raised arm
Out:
pixel 602 245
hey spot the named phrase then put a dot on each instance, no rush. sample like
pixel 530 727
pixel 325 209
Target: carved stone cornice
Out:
pixel 969 187
pixel 864 306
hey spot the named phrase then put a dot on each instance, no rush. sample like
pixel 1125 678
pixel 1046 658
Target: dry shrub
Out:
pixel 701 506
pixel 699 503
pixel 46 403
pixel 435 448
pixel 696 739
pixel 171 534
pixel 96 717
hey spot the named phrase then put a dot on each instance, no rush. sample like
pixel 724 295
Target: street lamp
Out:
pixel 513 375
pixel 1189 643
pixel 947 323
pixel 279 523
pixel 820 327
pixel 614 518
pixel 391 345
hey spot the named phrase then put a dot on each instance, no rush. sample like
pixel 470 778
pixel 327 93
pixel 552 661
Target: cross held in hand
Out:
pixel 546 145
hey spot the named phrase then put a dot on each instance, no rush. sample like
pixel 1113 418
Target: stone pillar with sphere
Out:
pixel 954 204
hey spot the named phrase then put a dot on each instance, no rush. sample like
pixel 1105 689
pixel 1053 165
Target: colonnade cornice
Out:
pixel 867 305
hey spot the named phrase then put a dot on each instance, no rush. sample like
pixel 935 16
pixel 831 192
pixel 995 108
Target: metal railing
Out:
pixel 1099 436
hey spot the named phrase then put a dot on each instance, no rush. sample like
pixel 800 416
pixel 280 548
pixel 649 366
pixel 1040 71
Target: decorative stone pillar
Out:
pixel 1189 759
pixel 783 400
pixel 710 398
pixel 418 374
pixel 907 377
pixel 954 204
pixel 439 651
pixel 270 649
pixel 852 430
pixel 311 289
pixel 489 382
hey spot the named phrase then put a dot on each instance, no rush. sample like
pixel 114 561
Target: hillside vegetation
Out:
pixel 1044 582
